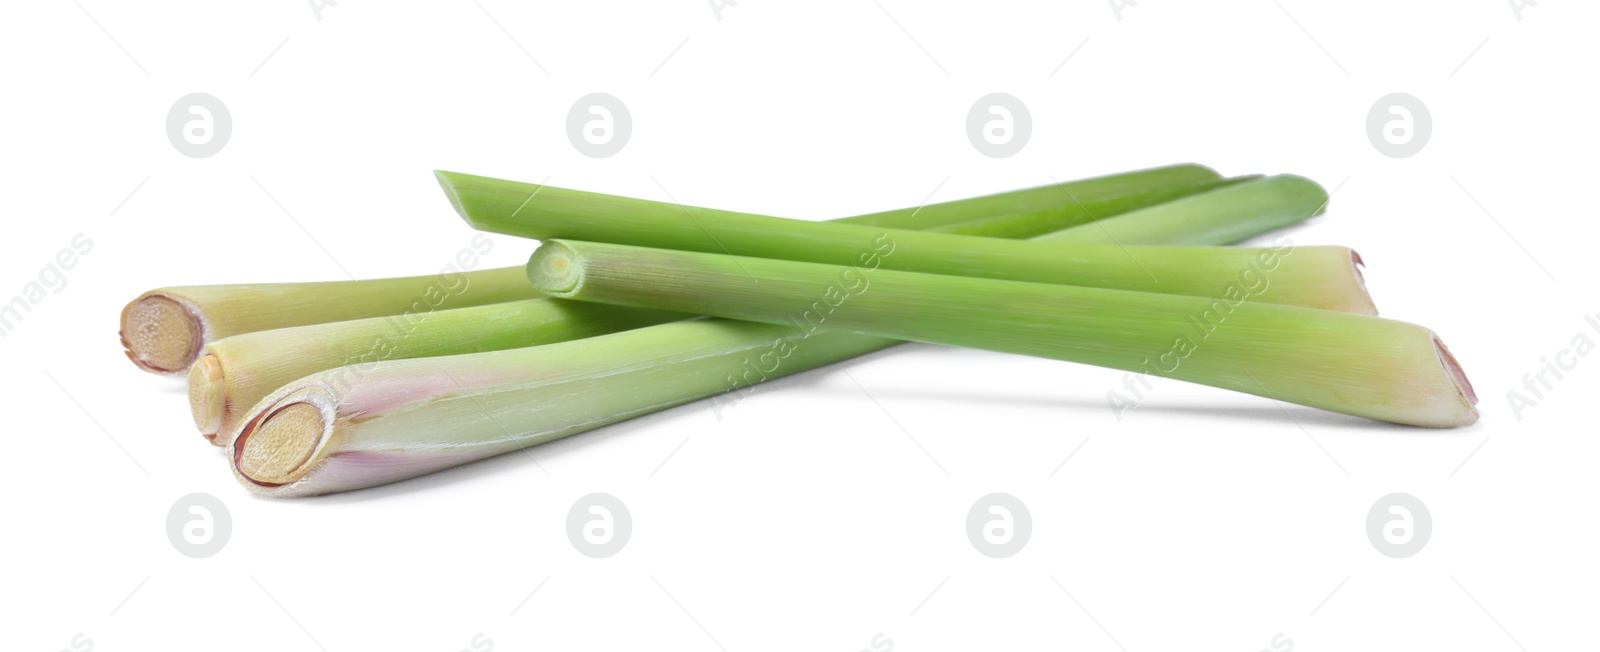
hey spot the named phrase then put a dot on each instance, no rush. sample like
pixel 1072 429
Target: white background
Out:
pixel 807 517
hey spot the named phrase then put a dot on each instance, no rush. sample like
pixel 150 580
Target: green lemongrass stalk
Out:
pixel 1355 364
pixel 1270 202
pixel 320 435
pixel 545 212
pixel 1075 209
pixel 235 373
pixel 164 330
pixel 1036 203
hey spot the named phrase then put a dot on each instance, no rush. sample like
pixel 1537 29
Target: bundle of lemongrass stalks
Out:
pixel 632 306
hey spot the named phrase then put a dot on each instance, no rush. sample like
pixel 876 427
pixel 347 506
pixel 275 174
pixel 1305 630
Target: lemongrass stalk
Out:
pixel 1268 203
pixel 1075 209
pixel 319 435
pixel 1355 364
pixel 235 373
pixel 1042 201
pixel 410 417
pixel 164 330
pixel 546 212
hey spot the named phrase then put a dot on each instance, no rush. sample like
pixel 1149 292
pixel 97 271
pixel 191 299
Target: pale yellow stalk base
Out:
pixel 281 444
pixel 208 395
pixel 162 334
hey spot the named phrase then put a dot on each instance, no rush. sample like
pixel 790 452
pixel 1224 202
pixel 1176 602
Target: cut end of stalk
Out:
pixel 161 334
pixel 447 182
pixel 1457 375
pixel 282 444
pixel 208 396
pixel 1356 265
pixel 555 269
pixel 476 200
